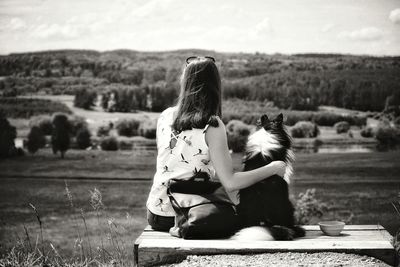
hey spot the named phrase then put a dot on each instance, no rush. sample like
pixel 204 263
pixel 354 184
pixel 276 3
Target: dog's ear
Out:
pixel 279 118
pixel 264 120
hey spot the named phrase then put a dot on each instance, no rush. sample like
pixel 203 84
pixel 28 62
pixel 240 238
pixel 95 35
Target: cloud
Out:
pixel 328 27
pixel 365 34
pixel 14 24
pixel 261 29
pixel 151 8
pixel 394 16
pixel 65 31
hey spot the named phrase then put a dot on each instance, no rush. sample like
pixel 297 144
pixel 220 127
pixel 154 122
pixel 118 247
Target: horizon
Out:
pixel 359 27
pixel 199 49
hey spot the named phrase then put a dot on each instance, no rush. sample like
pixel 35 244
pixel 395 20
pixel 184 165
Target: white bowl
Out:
pixel 332 228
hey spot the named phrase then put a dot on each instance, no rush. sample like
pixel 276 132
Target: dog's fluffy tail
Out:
pixel 276 232
pixel 254 233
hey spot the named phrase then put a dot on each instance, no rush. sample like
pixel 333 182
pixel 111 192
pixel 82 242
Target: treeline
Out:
pixel 11 107
pixel 299 82
pixel 122 98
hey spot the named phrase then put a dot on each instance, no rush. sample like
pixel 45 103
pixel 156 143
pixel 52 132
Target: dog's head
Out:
pixel 271 125
pixel 271 140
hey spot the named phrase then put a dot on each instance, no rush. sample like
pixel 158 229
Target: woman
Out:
pixel 191 139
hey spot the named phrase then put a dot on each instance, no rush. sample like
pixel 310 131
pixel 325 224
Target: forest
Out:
pixel 296 82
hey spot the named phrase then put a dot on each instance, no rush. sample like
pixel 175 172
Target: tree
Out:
pixel 85 98
pixel 60 139
pixel 36 140
pixel 7 135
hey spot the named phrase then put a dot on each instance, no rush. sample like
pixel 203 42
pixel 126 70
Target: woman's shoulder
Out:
pixel 167 113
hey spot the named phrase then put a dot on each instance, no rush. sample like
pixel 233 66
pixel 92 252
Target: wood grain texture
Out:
pixel 154 247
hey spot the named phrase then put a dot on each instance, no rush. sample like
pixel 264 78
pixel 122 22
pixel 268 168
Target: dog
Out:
pixel 265 211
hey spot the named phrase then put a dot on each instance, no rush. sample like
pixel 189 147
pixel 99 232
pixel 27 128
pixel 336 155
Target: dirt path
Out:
pixel 291 259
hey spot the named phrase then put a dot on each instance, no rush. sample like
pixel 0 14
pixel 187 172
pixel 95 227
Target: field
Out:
pixel 95 118
pixel 357 188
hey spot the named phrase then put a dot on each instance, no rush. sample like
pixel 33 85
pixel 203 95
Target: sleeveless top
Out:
pixel 180 156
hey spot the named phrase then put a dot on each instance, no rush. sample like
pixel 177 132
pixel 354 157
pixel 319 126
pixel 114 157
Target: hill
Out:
pixel 300 81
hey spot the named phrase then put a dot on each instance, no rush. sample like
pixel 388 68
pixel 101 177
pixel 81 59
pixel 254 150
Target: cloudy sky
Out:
pixel 284 26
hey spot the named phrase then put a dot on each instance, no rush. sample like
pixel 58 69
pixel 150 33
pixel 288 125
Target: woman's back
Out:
pixel 180 156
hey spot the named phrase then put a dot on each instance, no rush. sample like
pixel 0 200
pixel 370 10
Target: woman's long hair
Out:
pixel 200 97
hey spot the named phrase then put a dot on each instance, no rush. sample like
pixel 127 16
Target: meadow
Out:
pixel 357 188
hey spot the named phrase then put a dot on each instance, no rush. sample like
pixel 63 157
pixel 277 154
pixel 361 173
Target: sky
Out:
pixel 369 27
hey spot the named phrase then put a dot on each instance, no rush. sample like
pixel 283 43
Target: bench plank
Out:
pixel 154 247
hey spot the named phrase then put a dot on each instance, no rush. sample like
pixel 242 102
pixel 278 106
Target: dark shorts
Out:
pixel 160 223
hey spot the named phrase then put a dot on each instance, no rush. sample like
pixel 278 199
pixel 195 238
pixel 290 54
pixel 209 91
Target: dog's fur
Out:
pixel 265 209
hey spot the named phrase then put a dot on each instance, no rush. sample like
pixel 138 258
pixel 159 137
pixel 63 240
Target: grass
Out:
pixel 82 164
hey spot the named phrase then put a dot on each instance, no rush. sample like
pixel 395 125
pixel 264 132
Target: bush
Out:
pixel 367 132
pixel 128 127
pixel 85 98
pixel 103 131
pixel 77 123
pixel 387 135
pixel 148 129
pixel 36 140
pixel 43 122
pixel 109 144
pixel 304 129
pixel 237 133
pixel 308 209
pixel 83 138
pixel 7 135
pixel 342 127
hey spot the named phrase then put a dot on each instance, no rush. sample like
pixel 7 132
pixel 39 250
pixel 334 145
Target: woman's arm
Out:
pixel 222 162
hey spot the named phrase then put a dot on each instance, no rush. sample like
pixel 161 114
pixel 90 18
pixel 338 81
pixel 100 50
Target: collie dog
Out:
pixel 265 209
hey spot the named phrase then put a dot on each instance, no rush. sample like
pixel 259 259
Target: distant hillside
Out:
pixel 301 81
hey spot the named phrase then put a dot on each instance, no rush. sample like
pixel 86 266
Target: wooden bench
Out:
pixel 153 248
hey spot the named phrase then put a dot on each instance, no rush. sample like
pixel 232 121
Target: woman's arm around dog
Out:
pixel 220 157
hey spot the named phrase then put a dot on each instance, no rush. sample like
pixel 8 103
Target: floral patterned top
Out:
pixel 180 156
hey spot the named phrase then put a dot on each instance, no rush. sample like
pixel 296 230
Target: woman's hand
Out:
pixel 279 167
pixel 222 161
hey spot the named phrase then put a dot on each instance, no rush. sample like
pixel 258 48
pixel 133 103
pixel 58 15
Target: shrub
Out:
pixel 237 133
pixel 109 144
pixel 103 131
pixel 77 123
pixel 367 132
pixel 308 208
pixel 148 129
pixel 36 140
pixel 342 127
pixel 304 129
pixel 7 135
pixel 60 138
pixel 83 138
pixel 329 119
pixel 43 122
pixel 85 98
pixel 386 135
pixel 128 127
